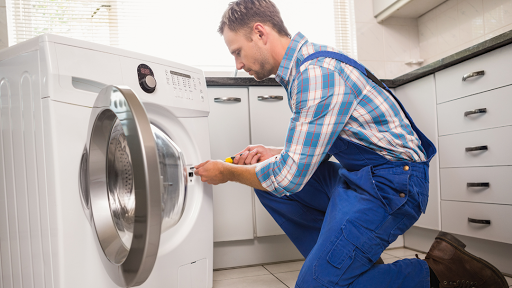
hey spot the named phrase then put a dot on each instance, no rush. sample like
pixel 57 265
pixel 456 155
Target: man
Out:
pixel 340 216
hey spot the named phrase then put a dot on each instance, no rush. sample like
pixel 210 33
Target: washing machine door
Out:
pixel 121 186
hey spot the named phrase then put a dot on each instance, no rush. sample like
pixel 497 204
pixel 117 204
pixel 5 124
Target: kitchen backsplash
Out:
pixel 459 24
pixel 450 27
pixel 384 48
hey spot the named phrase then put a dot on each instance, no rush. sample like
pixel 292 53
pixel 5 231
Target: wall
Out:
pixel 384 48
pixel 3 25
pixel 459 24
pixel 450 27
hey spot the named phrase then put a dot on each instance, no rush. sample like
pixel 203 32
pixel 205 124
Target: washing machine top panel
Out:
pixel 75 70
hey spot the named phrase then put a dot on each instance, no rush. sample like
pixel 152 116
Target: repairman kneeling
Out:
pixel 341 216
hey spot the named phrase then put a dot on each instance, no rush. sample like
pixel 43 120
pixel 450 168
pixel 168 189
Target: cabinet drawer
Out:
pixel 452 148
pixel 496 64
pixel 455 220
pixel 469 184
pixel 455 117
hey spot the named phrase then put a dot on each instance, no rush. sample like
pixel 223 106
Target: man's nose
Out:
pixel 239 65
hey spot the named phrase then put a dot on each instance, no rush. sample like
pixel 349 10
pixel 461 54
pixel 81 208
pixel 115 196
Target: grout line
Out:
pixel 256 265
pixel 276 277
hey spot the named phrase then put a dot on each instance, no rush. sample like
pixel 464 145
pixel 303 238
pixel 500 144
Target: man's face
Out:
pixel 251 56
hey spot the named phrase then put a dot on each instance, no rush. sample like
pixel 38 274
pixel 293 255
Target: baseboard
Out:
pixel 253 252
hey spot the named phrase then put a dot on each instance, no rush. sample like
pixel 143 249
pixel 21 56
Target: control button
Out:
pixel 150 81
pixel 202 97
pixel 146 77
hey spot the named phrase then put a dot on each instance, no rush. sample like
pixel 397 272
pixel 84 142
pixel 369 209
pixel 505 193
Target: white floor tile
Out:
pixel 263 281
pixel 284 267
pixel 390 260
pixel 288 278
pixel 400 252
pixel 385 256
pixel 239 273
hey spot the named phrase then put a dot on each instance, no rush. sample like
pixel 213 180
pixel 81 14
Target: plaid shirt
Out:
pixel 329 98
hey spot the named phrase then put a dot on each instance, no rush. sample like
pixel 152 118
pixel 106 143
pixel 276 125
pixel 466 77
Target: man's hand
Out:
pixel 255 154
pixel 218 172
pixel 213 172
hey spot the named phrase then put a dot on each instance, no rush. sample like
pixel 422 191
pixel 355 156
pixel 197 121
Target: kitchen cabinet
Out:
pixel 475 157
pixel 241 116
pixel 229 133
pixel 270 117
pixel 383 9
pixel 419 99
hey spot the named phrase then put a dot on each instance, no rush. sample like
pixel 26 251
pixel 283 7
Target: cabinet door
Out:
pixel 270 117
pixel 419 99
pixel 229 134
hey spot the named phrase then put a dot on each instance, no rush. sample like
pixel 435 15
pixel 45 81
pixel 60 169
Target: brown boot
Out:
pixel 455 267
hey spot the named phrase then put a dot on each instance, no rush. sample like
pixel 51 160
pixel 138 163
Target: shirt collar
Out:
pixel 289 59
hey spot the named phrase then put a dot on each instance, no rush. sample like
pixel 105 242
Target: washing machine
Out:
pixel 97 189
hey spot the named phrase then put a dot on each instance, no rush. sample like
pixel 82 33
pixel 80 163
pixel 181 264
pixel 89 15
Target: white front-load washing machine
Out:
pixel 96 186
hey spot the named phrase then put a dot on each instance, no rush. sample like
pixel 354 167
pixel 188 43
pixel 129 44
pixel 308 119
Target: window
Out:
pixel 182 31
pixel 345 27
pixel 89 20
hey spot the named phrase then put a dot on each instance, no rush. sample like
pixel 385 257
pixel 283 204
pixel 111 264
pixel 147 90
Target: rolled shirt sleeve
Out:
pixel 321 104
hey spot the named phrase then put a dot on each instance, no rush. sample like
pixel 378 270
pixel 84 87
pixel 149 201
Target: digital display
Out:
pixel 145 71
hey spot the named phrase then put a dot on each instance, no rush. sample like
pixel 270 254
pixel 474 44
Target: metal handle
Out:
pixel 473 74
pixel 270 97
pixel 477 148
pixel 476 111
pixel 481 184
pixel 479 221
pixel 227 99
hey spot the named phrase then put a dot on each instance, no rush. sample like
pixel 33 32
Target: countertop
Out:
pixel 461 56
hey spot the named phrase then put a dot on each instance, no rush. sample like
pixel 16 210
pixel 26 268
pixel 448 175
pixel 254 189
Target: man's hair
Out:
pixel 242 14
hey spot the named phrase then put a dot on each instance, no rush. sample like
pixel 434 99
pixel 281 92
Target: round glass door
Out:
pixel 121 184
pixel 173 175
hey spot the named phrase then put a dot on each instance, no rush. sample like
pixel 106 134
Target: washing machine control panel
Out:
pixel 167 83
pixel 184 86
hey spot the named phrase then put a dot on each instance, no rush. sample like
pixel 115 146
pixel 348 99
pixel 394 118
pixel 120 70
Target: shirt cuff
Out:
pixel 265 173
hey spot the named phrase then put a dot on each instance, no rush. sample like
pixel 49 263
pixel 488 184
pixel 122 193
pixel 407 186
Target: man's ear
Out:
pixel 260 31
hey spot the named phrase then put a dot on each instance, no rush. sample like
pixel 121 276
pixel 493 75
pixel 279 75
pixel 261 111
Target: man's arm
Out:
pixel 322 104
pixel 217 172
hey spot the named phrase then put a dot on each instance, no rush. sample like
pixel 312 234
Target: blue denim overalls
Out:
pixel 346 215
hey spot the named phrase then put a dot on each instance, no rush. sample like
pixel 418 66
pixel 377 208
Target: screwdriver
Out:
pixel 230 159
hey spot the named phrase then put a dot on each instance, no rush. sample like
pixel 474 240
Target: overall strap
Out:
pixel 349 61
pixel 429 147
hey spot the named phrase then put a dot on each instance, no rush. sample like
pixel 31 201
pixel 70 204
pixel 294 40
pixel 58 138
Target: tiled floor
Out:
pixel 285 274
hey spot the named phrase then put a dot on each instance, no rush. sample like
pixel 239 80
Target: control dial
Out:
pixel 147 79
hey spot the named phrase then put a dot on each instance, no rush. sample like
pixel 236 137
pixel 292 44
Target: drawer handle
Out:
pixel 476 111
pixel 482 184
pixel 270 97
pixel 478 221
pixel 477 148
pixel 227 99
pixel 473 74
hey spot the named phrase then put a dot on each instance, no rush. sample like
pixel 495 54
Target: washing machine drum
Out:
pixel 121 192
pixel 133 185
